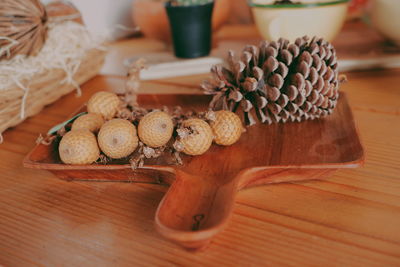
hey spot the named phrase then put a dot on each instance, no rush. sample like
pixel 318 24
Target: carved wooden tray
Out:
pixel 202 191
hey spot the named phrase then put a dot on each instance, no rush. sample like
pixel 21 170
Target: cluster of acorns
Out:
pixel 100 131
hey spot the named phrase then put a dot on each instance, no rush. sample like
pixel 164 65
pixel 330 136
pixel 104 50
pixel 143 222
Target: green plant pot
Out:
pixel 191 29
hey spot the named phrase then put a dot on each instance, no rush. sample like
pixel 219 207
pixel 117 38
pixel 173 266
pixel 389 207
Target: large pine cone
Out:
pixel 282 81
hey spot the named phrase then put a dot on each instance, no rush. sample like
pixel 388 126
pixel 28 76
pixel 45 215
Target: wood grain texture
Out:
pixel 200 200
pixel 351 219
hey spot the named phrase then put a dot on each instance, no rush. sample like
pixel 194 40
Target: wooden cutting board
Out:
pixel 202 191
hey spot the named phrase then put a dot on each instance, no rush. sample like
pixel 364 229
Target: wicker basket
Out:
pixel 44 89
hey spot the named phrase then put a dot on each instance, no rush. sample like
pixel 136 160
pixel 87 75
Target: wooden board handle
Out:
pixel 194 209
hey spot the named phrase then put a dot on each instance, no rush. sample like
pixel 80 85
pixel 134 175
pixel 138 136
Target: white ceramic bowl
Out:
pixel 385 17
pixel 312 17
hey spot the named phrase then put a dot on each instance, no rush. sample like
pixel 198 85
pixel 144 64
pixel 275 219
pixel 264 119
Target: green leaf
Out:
pixel 56 128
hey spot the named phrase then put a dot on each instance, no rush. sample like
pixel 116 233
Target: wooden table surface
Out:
pixel 351 219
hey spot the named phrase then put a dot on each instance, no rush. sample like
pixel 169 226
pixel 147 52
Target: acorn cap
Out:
pixel 118 138
pixel 90 121
pixel 104 103
pixel 78 147
pixel 227 127
pixel 155 129
pixel 196 136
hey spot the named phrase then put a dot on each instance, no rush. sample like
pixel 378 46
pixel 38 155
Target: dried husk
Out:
pixel 24 25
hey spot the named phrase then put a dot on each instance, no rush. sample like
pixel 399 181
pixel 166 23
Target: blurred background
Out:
pixel 365 32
